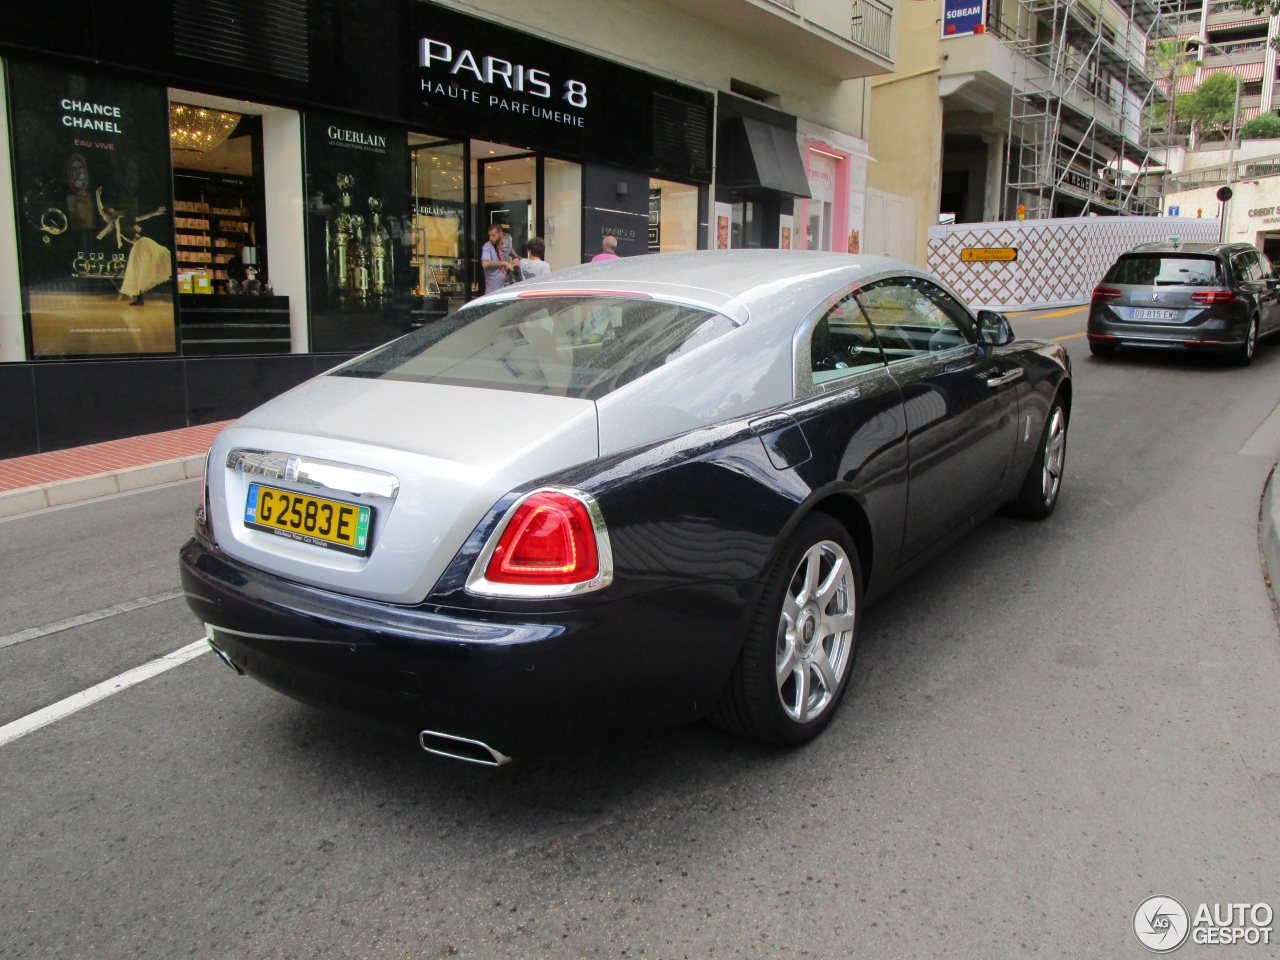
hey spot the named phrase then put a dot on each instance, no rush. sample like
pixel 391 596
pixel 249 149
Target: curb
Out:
pixel 1269 530
pixel 14 503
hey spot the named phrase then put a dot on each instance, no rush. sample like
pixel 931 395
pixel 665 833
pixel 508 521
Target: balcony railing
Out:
pixel 871 25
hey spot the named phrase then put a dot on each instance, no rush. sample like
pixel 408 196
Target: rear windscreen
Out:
pixel 1162 270
pixel 571 346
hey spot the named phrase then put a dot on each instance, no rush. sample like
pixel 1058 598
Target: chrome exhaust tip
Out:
pixel 461 748
pixel 221 655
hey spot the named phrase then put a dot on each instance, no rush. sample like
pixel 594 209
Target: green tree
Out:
pixel 1175 57
pixel 1210 106
pixel 1265 126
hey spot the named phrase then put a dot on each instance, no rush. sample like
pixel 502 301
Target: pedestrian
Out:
pixel 608 249
pixel 533 267
pixel 495 259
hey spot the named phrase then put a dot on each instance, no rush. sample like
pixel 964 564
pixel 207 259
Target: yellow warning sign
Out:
pixel 988 254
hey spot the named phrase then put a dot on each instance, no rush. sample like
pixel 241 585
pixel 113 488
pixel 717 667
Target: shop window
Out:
pixel 434 240
pixel 219 226
pixel 226 304
pixel 822 204
pixel 362 292
pixel 95 238
pixel 562 213
pixel 673 217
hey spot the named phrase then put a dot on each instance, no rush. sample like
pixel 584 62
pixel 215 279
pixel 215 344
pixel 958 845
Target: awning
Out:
pixel 756 154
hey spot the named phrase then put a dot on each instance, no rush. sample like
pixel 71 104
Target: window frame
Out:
pixel 803 385
pixel 928 288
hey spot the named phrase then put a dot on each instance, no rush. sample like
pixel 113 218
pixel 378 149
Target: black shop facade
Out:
pixel 197 238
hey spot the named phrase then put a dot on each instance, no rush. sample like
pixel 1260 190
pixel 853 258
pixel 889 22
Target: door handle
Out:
pixel 1000 380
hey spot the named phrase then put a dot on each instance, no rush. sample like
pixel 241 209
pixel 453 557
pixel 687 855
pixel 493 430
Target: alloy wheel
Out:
pixel 1055 456
pixel 815 632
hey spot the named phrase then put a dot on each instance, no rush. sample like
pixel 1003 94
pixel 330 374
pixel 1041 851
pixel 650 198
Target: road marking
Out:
pixel 1060 313
pixel 32 633
pixel 78 701
pixel 1069 336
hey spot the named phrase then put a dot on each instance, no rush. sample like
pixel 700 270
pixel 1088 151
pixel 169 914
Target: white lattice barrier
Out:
pixel 1059 261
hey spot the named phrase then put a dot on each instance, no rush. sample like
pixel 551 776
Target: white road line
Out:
pixel 78 701
pixel 32 633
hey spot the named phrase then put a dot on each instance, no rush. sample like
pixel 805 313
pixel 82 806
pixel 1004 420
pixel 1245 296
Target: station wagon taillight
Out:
pixel 552 543
pixel 1103 294
pixel 1214 297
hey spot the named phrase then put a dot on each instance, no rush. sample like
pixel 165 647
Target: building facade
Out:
pixel 1237 42
pixel 1252 214
pixel 204 204
pixel 1028 108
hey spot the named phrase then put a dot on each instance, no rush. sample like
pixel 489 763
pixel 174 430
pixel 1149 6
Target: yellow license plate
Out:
pixel 325 523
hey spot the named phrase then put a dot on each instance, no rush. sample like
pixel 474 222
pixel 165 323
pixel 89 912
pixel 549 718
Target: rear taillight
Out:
pixel 550 543
pixel 1103 294
pixel 1214 297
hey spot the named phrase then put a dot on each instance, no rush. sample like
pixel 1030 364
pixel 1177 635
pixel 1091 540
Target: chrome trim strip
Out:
pixel 478 585
pixel 321 474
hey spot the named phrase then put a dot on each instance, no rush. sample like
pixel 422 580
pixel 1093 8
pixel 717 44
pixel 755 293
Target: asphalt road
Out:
pixel 1049 724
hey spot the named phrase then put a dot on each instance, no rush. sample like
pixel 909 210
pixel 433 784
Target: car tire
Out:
pixel 1043 482
pixel 1100 348
pixel 1244 356
pixel 798 655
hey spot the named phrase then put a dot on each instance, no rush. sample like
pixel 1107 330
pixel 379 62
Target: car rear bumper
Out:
pixel 1215 333
pixel 513 683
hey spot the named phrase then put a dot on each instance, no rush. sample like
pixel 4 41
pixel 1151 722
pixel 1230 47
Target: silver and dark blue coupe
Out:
pixel 637 492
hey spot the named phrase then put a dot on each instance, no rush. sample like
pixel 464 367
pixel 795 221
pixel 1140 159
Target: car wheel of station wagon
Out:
pixel 798 655
pixel 1040 489
pixel 1101 349
pixel 1244 356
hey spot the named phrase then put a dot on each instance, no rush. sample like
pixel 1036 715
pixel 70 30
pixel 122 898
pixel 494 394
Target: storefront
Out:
pixel 198 225
pixel 1252 214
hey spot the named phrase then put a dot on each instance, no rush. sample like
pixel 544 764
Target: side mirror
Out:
pixel 994 329
pixel 1272 283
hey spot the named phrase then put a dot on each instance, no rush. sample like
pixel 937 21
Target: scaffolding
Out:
pixel 1079 139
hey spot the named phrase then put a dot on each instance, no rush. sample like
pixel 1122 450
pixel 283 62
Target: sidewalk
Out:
pixel 100 469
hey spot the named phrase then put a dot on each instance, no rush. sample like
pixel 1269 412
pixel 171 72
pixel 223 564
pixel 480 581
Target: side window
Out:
pixel 1246 268
pixel 1255 266
pixel 1268 270
pixel 912 318
pixel 843 343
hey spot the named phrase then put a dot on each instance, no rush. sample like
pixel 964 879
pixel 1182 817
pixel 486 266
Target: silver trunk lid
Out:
pixel 430 460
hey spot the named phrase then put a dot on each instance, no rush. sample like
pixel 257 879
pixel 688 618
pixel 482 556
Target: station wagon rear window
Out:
pixel 569 346
pixel 1165 270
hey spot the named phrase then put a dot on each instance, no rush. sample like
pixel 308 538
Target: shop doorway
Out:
pixel 529 195
pixel 1270 244
pixel 510 194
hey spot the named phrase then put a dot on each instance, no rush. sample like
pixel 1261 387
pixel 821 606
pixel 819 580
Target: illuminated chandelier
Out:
pixel 198 128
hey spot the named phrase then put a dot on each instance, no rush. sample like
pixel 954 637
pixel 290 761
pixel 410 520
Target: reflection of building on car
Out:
pixel 665 491
pixel 1190 296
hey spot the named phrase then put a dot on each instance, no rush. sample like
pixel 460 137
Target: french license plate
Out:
pixel 315 520
pixel 1146 313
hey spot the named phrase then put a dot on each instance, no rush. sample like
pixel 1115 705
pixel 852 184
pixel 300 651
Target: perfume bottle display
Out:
pixel 359 250
pixel 380 250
